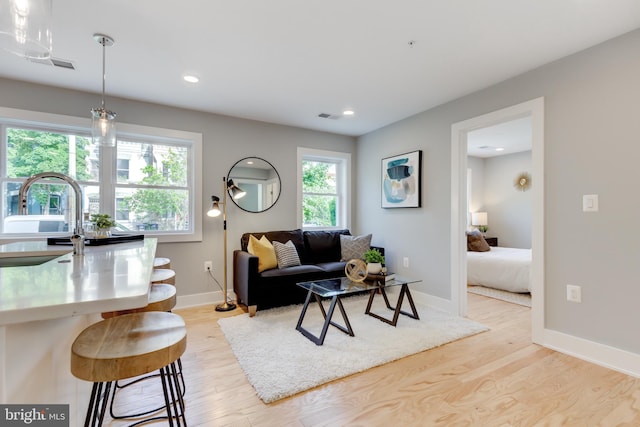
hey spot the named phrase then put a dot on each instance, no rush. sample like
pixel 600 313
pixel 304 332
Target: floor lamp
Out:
pixel 214 210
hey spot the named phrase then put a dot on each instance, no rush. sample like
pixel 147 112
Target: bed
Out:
pixel 508 269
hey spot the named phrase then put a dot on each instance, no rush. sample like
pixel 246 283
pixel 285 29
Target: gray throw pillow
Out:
pixel 354 247
pixel 286 254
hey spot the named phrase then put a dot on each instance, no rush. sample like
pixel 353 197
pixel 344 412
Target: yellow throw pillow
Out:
pixel 263 249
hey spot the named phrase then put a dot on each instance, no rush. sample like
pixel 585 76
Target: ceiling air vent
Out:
pixel 56 62
pixel 62 63
pixel 329 116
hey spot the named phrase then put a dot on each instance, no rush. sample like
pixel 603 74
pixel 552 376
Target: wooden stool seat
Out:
pixel 127 346
pixel 161 263
pixel 162 297
pixel 163 275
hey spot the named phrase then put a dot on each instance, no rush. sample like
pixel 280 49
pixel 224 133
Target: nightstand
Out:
pixel 492 241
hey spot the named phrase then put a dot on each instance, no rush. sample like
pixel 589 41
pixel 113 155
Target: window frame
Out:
pixel 10 117
pixel 343 185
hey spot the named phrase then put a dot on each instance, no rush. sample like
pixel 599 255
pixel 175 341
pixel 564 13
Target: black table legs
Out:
pixel 335 300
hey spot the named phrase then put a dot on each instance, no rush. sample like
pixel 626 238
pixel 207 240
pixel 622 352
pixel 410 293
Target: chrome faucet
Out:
pixel 78 231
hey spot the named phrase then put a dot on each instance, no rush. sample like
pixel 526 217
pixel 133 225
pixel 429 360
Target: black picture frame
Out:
pixel 402 180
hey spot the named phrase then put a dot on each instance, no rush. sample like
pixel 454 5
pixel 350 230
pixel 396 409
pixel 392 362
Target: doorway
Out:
pixel 535 110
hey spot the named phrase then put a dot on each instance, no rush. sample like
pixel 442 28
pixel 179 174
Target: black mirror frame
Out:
pixel 272 167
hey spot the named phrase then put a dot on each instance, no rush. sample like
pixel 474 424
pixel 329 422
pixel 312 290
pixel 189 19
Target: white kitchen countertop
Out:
pixel 106 278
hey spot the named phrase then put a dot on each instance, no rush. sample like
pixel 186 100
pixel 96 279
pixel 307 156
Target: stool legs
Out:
pixel 97 404
pixel 172 390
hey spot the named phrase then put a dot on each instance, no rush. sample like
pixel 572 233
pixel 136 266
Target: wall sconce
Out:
pixel 214 211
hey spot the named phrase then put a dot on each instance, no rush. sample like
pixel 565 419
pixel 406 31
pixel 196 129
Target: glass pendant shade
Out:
pixel 103 121
pixel 103 127
pixel 25 27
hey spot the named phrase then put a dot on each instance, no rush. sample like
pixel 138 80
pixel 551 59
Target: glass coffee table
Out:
pixel 340 287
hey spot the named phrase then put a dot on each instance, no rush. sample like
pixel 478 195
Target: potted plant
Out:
pixel 103 224
pixel 374 260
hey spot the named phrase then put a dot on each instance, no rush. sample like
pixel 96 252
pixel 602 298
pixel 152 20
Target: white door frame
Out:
pixel 459 131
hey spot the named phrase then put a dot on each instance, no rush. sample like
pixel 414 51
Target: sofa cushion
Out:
pixel 292 271
pixel 323 246
pixel 354 246
pixel 263 249
pixel 286 254
pixel 335 266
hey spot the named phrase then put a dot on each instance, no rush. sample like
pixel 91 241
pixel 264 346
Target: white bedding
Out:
pixel 508 269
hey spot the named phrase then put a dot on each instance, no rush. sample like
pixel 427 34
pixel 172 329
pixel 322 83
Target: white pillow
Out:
pixel 286 254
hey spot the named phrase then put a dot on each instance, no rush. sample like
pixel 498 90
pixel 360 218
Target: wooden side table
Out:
pixel 492 241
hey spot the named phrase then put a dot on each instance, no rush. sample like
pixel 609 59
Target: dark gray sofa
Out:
pixel 319 253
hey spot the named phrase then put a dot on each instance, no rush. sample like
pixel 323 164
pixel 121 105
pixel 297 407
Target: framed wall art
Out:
pixel 401 179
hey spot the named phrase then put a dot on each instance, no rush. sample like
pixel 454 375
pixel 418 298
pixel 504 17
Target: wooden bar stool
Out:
pixel 162 297
pixel 163 275
pixel 129 346
pixel 161 263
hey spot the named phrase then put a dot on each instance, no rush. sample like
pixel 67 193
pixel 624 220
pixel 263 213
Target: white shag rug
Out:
pixel 512 297
pixel 279 361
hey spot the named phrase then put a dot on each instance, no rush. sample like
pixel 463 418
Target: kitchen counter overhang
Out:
pixel 106 278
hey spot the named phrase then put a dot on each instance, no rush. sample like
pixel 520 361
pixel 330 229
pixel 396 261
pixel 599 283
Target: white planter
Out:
pixel 374 268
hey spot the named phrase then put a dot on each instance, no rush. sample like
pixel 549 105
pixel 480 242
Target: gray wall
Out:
pixel 509 209
pixel 225 141
pixel 591 147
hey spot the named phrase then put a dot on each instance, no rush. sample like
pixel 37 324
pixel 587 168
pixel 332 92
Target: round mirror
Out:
pixel 259 180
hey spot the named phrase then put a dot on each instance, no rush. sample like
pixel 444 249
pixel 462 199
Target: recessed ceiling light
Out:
pixel 191 79
pixel 348 113
pixel 499 149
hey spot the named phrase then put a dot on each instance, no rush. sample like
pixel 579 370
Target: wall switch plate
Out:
pixel 208 266
pixel 574 293
pixel 405 262
pixel 590 203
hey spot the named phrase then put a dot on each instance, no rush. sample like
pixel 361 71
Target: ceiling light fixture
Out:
pixel 348 113
pixel 25 27
pixel 103 126
pixel 191 79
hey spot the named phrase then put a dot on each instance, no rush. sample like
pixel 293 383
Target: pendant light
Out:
pixel 25 27
pixel 103 126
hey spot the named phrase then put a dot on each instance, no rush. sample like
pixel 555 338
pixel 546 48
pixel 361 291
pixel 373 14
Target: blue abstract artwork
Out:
pixel 401 178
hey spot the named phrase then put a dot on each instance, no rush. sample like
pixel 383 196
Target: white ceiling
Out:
pixel 286 61
pixel 509 137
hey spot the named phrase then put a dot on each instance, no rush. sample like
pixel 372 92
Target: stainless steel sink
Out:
pixel 24 261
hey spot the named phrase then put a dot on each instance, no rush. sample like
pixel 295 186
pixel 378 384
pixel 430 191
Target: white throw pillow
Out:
pixel 286 254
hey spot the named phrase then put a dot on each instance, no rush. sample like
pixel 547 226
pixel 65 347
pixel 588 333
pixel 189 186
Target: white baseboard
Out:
pixel 433 301
pixel 600 354
pixel 196 300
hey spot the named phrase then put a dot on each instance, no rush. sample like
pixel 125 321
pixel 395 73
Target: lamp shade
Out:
pixel 103 127
pixel 214 209
pixel 236 192
pixel 479 218
pixel 25 27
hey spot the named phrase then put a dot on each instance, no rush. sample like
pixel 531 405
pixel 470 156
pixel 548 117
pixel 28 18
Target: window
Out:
pixel 324 183
pixel 151 180
pixel 123 169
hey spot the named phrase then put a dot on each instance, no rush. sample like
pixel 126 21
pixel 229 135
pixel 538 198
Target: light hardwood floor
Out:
pixel 497 378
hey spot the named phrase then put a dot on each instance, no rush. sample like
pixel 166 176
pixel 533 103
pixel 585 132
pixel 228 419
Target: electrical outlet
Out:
pixel 208 265
pixel 405 262
pixel 574 293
